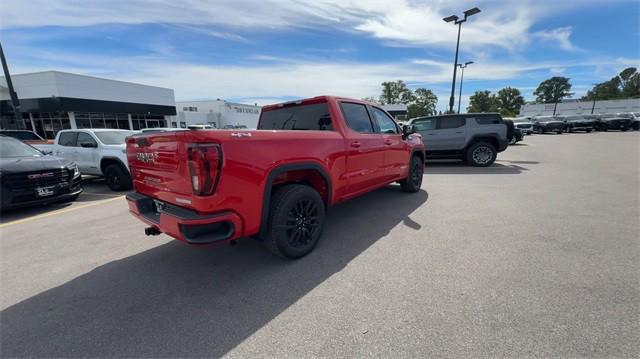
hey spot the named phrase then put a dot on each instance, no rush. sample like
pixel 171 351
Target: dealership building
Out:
pixel 51 101
pixel 217 113
pixel 574 107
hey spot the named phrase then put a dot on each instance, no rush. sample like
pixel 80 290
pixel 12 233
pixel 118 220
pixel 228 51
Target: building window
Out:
pixel 183 125
pixel 190 109
pixel 174 124
pixel 47 124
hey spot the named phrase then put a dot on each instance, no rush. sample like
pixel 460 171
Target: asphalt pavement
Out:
pixel 537 256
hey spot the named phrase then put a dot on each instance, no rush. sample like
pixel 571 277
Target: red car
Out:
pixel 275 183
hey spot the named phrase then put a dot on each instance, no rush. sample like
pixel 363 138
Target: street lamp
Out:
pixel 462 67
pixel 457 21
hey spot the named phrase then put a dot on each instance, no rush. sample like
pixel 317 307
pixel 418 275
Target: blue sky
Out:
pixel 271 50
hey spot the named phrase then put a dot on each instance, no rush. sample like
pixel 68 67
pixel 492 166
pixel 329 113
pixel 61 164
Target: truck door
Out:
pixel 396 155
pixel 65 145
pixel 365 149
pixel 449 134
pixel 87 154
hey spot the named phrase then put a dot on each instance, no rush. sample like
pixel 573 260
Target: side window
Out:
pixel 86 138
pixel 450 122
pixel 357 117
pixel 68 139
pixel 386 124
pixel 425 125
pixel 486 120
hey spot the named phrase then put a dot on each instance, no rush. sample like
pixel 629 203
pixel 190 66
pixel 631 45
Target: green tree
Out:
pixel 424 103
pixel 482 101
pixel 553 90
pixel 624 85
pixel 508 101
pixel 394 92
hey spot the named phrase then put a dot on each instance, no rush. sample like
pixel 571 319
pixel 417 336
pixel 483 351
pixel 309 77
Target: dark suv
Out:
pixel 614 121
pixel 474 137
pixel 543 124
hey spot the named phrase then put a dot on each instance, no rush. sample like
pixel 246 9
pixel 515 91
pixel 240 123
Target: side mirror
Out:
pixel 408 130
pixel 88 145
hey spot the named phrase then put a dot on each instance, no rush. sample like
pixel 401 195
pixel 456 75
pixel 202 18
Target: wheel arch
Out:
pixel 107 160
pixel 297 170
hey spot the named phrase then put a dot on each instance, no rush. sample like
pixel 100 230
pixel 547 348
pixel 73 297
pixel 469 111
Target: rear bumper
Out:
pixel 185 224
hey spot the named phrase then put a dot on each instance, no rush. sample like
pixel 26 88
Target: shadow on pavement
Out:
pixel 461 168
pixel 176 300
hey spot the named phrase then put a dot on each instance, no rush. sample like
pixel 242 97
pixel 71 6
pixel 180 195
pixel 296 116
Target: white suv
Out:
pixel 98 152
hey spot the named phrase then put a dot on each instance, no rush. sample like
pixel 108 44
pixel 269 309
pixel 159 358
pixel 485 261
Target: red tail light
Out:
pixel 205 160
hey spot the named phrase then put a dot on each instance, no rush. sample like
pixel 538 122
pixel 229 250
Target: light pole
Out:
pixel 457 21
pixel 462 67
pixel 15 103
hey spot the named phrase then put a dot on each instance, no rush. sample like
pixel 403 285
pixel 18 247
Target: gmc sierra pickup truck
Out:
pixel 274 183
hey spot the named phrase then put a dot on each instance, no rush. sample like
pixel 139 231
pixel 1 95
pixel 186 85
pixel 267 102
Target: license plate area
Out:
pixel 45 191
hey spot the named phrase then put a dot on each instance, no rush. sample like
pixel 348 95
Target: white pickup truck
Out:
pixel 98 152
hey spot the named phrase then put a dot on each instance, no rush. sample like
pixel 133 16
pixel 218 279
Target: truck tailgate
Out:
pixel 158 164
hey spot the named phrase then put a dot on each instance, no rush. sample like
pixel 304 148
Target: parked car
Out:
pixel 518 136
pixel 577 123
pixel 544 124
pixel 614 121
pixel 28 177
pixel 30 138
pixel 474 137
pixel 200 127
pixel 205 187
pixel 162 129
pixel 98 152
pixel 523 123
pixel 635 120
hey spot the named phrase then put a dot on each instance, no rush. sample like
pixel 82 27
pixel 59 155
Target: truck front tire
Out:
pixel 117 177
pixel 413 182
pixel 296 221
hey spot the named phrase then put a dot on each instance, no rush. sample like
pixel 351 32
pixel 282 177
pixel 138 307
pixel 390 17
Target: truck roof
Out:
pixel 317 99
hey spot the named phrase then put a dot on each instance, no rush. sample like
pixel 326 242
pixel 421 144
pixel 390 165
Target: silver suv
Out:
pixel 474 137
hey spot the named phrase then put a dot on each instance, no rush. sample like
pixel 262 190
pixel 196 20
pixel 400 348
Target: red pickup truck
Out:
pixel 274 183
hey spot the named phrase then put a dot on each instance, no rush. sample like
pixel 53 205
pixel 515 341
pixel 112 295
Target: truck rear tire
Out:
pixel 117 177
pixel 481 154
pixel 296 221
pixel 413 182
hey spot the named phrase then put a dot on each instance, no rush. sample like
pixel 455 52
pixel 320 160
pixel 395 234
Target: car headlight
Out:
pixel 75 169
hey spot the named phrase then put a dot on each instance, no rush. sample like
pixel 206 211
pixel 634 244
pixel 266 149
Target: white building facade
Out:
pixel 51 101
pixel 581 107
pixel 217 113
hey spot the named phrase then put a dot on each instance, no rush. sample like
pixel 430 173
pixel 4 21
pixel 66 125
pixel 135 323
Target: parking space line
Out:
pixel 101 194
pixel 64 210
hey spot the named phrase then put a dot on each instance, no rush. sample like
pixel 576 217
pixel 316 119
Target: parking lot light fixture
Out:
pixel 457 21
pixel 462 67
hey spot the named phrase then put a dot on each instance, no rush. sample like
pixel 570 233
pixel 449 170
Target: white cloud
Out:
pixel 400 22
pixel 559 35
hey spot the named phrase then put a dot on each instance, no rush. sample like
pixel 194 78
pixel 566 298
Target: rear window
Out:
pixel 488 120
pixel 357 117
pixel 67 139
pixel 309 117
pixel 451 122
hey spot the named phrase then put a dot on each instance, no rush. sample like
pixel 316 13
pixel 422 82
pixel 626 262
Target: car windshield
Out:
pixel 113 137
pixel 22 135
pixel 10 148
pixel 624 115
pixel 520 120
pixel 545 118
pixel 574 118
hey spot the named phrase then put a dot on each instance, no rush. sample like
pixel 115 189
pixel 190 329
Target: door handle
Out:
pixel 356 144
pixel 388 142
